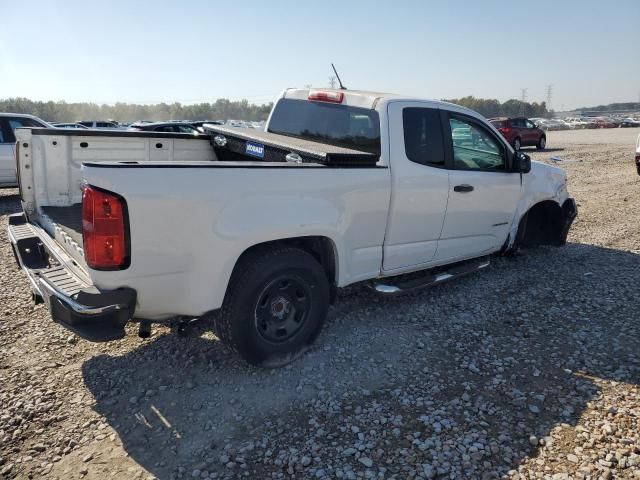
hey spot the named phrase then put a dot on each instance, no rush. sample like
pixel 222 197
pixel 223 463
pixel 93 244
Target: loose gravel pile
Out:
pixel 529 369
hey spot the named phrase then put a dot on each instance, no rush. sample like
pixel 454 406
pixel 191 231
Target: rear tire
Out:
pixel 276 303
pixel 542 143
pixel 517 144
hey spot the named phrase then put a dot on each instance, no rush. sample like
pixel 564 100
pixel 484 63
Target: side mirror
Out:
pixel 521 162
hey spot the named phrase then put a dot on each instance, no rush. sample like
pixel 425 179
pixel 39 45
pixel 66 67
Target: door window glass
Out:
pixel 423 136
pixel 530 124
pixel 474 148
pixel 17 122
pixel 186 129
pixel 22 122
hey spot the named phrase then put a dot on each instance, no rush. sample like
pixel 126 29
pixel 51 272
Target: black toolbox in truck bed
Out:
pixel 233 144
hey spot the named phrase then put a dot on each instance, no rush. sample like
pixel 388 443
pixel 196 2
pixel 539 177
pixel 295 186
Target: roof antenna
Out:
pixel 342 87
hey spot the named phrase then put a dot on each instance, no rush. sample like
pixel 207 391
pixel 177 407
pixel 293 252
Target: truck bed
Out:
pixel 69 219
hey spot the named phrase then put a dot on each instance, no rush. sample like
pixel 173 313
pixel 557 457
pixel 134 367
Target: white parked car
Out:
pixel 8 123
pixel 577 123
pixel 264 226
pixel 554 124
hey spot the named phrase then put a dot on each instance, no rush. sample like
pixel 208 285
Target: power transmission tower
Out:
pixel 332 81
pixel 549 96
pixel 523 100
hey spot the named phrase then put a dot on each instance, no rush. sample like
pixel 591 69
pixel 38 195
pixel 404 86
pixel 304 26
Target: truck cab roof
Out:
pixel 367 99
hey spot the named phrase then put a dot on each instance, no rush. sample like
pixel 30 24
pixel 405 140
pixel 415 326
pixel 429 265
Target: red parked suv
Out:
pixel 520 132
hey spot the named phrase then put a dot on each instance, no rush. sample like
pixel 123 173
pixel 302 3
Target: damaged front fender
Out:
pixel 545 212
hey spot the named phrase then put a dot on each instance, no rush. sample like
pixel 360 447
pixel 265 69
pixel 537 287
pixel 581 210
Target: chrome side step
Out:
pixel 403 284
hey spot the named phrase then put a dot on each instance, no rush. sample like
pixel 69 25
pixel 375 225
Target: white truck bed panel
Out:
pixel 190 224
pixel 57 156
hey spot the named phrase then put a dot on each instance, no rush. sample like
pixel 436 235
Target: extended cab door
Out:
pixel 483 193
pixel 419 185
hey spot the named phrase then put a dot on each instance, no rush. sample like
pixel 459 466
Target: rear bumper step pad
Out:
pixel 93 314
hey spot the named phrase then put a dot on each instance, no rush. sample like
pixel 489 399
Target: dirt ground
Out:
pixel 529 369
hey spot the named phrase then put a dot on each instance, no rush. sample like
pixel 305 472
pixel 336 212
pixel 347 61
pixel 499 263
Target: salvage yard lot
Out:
pixel 529 369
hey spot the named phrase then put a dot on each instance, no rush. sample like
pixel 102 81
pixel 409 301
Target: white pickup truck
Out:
pixel 264 226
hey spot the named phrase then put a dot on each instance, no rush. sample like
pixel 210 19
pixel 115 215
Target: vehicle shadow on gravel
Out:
pixel 467 379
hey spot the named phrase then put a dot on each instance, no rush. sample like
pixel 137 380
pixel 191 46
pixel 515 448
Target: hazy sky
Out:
pixel 197 51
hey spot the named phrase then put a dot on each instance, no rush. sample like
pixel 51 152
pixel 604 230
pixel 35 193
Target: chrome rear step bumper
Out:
pixel 93 314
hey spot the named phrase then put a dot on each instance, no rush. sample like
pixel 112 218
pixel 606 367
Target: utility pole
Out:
pixel 523 100
pixel 523 94
pixel 332 81
pixel 549 96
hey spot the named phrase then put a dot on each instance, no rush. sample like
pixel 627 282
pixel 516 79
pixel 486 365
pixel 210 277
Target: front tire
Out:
pixel 517 144
pixel 542 143
pixel 276 303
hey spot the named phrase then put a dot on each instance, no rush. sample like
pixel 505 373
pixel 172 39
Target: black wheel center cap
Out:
pixel 280 307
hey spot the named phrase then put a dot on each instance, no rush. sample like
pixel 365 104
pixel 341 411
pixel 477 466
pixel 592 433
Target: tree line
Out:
pixel 613 107
pixel 223 109
pixel 511 108
pixel 61 111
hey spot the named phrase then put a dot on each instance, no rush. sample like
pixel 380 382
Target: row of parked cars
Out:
pixel 171 126
pixel 576 123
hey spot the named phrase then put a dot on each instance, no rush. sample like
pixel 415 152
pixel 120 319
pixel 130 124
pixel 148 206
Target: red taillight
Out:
pixel 332 97
pixel 104 229
pixel 505 130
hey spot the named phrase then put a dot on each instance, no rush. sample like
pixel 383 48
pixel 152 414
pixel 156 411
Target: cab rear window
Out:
pixel 340 125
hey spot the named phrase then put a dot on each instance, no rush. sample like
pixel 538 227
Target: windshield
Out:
pixel 340 125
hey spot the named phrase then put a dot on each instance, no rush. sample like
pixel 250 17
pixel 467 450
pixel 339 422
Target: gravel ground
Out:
pixel 529 369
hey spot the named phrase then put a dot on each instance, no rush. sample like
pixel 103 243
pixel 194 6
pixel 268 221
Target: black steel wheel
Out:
pixel 282 308
pixel 275 305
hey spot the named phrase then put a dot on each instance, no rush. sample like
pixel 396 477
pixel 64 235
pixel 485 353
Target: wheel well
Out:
pixel 322 249
pixel 541 225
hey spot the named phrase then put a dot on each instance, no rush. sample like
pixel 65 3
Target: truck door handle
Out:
pixel 463 188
